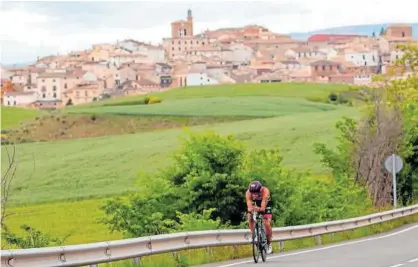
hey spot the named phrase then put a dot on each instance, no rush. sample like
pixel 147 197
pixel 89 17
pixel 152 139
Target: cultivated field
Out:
pixel 86 170
pixel 256 106
pixel 11 116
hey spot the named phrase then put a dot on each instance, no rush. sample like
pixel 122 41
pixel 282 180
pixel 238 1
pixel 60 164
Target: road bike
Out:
pixel 259 237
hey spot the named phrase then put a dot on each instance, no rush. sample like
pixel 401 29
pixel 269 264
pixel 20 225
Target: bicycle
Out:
pixel 259 237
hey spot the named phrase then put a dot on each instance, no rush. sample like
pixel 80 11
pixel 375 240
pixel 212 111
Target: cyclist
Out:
pixel 261 196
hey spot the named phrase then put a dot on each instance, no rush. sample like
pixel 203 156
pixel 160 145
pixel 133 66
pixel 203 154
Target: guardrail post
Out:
pixel 94 265
pixel 209 252
pixel 333 237
pixel 318 240
pixel 137 261
pixel 235 251
pixel 281 245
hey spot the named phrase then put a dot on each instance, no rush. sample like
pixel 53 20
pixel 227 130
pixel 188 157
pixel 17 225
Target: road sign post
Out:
pixel 394 164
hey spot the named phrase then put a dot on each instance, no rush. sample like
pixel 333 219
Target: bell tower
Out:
pixel 190 21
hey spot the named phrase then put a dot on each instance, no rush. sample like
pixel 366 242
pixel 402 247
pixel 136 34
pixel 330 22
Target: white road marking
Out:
pixel 397 265
pixel 329 247
pixel 414 260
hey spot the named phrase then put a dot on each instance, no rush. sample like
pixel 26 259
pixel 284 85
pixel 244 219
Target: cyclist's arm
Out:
pixel 249 201
pixel 266 196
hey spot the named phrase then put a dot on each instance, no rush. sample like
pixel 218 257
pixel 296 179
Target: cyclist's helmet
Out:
pixel 255 187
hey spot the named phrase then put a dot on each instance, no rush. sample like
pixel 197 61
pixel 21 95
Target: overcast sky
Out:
pixel 38 28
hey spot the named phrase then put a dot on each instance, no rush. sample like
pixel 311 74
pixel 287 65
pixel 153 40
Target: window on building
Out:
pixel 323 67
pixel 403 34
pixel 55 95
pixel 65 86
pixel 172 42
pixel 53 80
pixel 54 88
pixel 364 57
pixel 43 95
pixel 14 103
pixel 8 103
pixel 172 48
pixel 179 42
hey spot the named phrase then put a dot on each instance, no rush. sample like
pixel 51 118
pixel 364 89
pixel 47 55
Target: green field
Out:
pixel 296 90
pixel 86 170
pixel 11 116
pixel 257 106
pixel 96 167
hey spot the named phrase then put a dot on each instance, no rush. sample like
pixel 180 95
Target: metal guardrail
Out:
pixel 95 253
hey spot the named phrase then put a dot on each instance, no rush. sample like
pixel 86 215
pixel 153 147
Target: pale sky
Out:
pixel 38 28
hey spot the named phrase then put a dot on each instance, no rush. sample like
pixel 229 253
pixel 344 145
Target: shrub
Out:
pixel 207 183
pixel 333 97
pixel 32 238
pixel 154 100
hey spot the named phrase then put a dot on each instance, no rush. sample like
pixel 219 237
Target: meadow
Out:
pixel 257 106
pixel 11 116
pixel 306 91
pixel 66 181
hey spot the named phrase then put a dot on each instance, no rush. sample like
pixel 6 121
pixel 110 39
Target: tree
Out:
pixel 389 125
pixel 206 185
pixel 6 182
pixel 69 102
pixel 7 87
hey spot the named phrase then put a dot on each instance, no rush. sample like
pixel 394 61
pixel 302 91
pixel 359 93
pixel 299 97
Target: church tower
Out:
pixel 190 21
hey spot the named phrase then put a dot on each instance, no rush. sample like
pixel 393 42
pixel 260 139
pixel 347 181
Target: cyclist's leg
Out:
pixel 251 223
pixel 267 225
pixel 269 232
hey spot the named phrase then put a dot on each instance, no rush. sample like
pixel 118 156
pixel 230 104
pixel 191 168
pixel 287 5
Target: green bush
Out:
pixel 210 175
pixel 333 97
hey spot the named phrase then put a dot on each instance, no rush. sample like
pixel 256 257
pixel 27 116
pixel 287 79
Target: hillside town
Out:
pixel 250 54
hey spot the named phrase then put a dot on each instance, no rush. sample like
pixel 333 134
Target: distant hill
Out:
pixel 358 29
pixel 17 65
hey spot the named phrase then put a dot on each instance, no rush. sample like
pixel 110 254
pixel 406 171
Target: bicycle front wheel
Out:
pixel 256 244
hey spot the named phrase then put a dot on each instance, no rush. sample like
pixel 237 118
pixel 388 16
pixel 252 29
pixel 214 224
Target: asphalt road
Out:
pixel 393 249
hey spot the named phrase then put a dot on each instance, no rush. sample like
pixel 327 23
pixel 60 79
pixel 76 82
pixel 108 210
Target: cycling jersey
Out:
pixel 257 199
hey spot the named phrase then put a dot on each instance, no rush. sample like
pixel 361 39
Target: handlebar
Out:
pixel 256 215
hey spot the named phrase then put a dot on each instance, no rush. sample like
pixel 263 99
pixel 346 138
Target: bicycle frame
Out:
pixel 259 236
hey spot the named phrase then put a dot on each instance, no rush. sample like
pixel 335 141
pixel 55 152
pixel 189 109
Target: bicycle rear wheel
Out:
pixel 256 244
pixel 263 244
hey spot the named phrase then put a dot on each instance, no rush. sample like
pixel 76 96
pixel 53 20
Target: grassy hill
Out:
pixel 66 181
pixel 307 91
pixel 257 106
pixel 11 116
